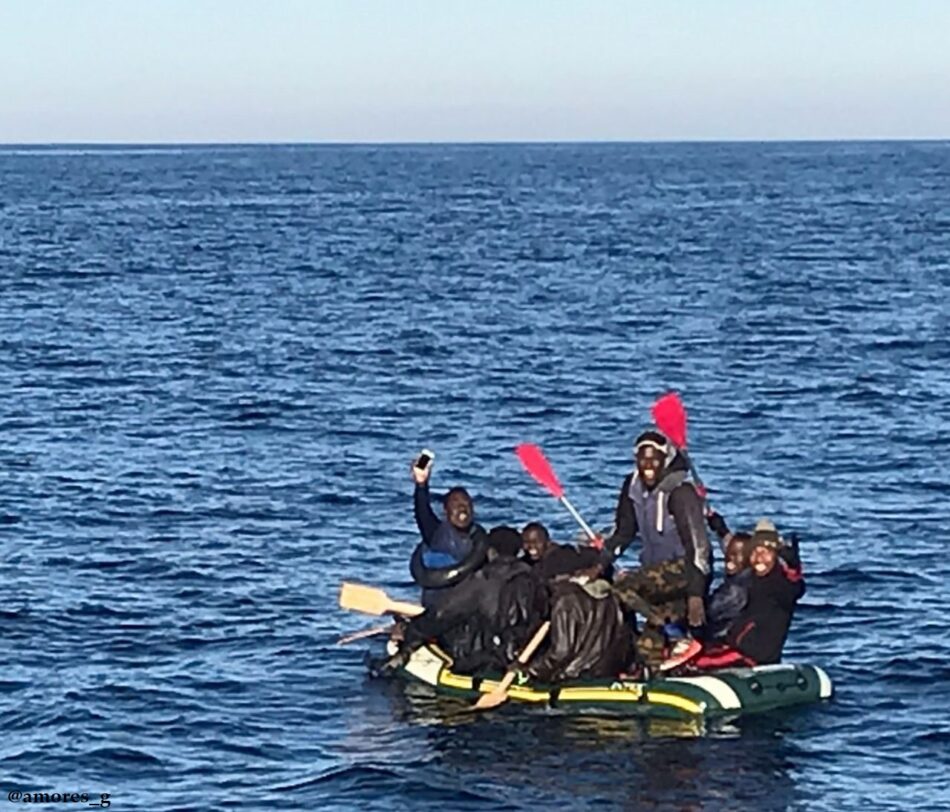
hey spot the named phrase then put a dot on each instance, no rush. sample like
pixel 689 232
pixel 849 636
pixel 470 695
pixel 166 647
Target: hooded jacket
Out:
pixel 760 630
pixel 485 620
pixel 668 518
pixel 726 603
pixel 588 638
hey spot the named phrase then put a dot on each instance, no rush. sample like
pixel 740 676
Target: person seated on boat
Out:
pixel 451 548
pixel 588 638
pixel 558 561
pixel 758 633
pixel 485 620
pixel 728 599
pixel 660 506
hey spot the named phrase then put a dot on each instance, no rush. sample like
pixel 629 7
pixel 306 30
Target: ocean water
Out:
pixel 217 362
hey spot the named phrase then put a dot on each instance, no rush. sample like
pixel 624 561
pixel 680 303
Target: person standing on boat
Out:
pixel 451 548
pixel 661 507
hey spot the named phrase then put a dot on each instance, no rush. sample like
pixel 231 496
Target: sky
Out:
pixel 156 71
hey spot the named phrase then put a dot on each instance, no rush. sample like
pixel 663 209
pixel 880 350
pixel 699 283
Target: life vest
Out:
pixel 655 524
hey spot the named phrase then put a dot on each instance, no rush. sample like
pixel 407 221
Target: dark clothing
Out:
pixel 439 535
pixel 491 614
pixel 588 638
pixel 726 603
pixel 760 630
pixel 669 521
pixel 658 594
pixel 444 545
pixel 561 560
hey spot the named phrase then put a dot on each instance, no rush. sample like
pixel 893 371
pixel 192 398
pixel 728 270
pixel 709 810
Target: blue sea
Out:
pixel 217 362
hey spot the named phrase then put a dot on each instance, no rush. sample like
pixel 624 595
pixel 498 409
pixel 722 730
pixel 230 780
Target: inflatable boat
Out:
pixel 726 692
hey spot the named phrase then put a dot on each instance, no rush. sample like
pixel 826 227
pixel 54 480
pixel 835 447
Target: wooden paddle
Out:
pixel 364 633
pixel 373 601
pixel 536 464
pixel 500 694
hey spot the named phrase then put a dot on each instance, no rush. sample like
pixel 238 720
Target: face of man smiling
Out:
pixel 650 464
pixel 762 560
pixel 535 543
pixel 736 558
pixel 458 510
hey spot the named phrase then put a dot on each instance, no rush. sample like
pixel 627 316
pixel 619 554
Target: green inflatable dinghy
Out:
pixel 726 692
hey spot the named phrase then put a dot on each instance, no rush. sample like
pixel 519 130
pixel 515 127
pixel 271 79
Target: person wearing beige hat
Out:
pixel 757 635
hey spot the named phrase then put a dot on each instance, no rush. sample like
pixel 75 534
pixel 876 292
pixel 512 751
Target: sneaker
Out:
pixel 682 652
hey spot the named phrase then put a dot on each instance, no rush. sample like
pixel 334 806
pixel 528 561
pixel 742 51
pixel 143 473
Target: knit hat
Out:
pixel 765 535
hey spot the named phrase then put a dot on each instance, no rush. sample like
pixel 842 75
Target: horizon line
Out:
pixel 474 142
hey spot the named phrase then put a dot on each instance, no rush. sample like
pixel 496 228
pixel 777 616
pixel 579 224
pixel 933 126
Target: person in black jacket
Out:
pixel 451 548
pixel 588 639
pixel 486 619
pixel 557 561
pixel 757 635
pixel 731 596
pixel 660 506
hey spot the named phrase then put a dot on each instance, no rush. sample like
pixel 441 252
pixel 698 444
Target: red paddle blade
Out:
pixel 536 464
pixel 669 414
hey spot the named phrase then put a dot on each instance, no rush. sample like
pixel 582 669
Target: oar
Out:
pixel 500 694
pixel 360 635
pixel 669 414
pixel 373 601
pixel 536 464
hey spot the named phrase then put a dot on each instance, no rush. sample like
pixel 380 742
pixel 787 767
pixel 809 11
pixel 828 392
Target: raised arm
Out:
pixel 426 519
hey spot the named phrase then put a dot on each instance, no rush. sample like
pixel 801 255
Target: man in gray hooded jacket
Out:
pixel 660 506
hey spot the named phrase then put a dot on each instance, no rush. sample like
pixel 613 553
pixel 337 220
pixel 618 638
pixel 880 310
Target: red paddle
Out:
pixel 669 414
pixel 536 464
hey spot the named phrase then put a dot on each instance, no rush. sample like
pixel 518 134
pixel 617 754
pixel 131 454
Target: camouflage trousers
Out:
pixel 658 594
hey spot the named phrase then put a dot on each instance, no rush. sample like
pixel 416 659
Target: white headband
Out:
pixel 661 447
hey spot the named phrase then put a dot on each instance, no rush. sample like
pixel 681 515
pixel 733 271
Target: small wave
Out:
pixel 122 755
pixel 360 782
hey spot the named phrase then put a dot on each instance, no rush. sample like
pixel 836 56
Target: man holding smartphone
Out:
pixel 449 550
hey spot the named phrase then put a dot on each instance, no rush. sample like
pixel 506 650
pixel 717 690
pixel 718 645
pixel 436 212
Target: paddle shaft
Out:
pixel 405 608
pixel 500 693
pixel 692 469
pixel 360 635
pixel 374 601
pixel 577 516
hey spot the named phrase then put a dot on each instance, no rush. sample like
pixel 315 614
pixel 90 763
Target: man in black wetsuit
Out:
pixel 445 542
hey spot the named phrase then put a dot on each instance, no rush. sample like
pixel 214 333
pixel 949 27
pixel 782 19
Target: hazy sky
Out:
pixel 437 70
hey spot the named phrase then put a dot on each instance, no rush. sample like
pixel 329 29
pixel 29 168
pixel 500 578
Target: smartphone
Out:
pixel 424 459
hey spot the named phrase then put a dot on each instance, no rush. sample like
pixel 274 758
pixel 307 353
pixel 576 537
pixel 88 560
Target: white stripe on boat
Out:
pixel 824 683
pixel 766 669
pixel 714 686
